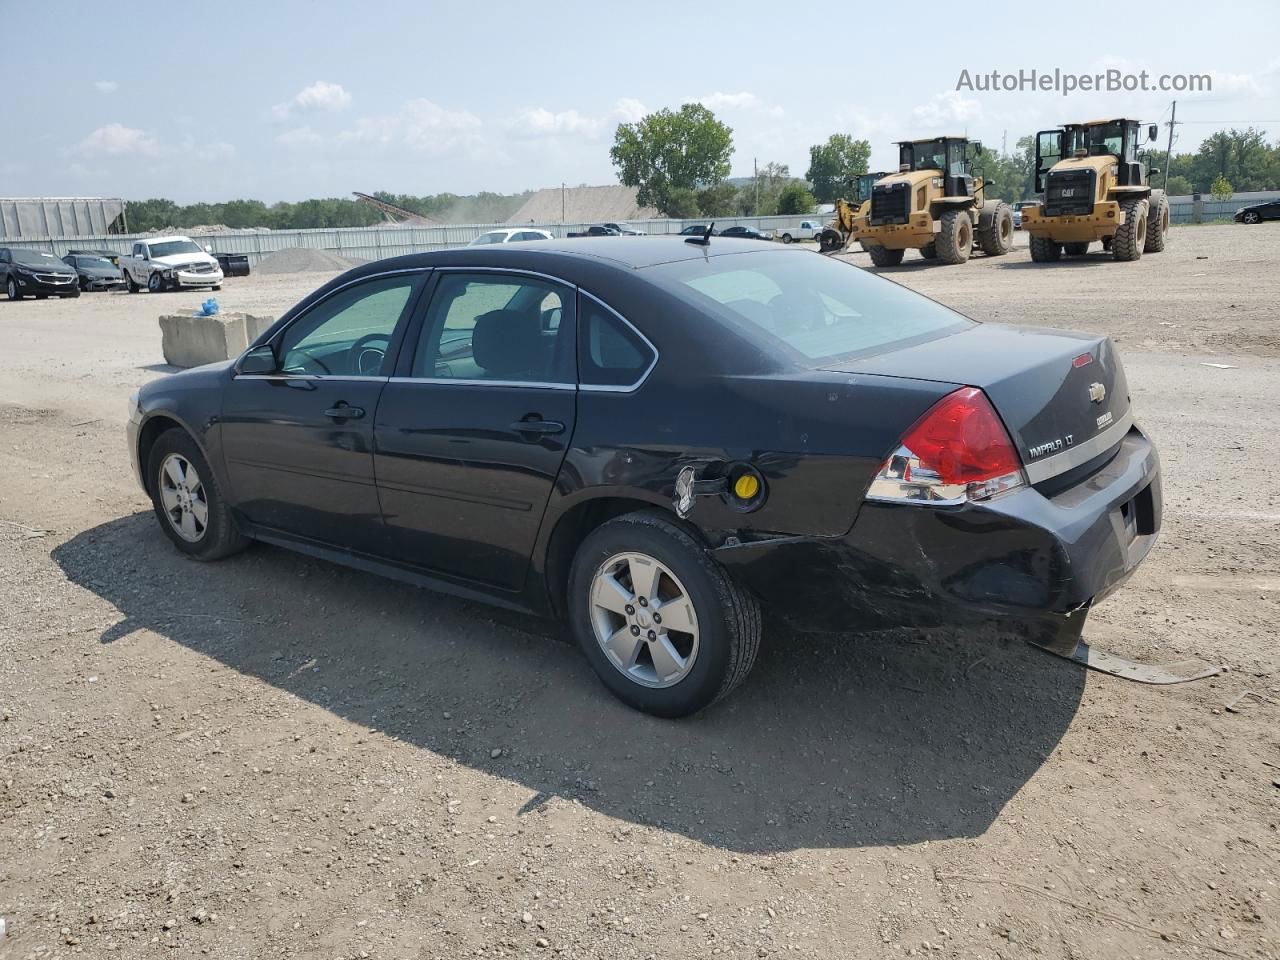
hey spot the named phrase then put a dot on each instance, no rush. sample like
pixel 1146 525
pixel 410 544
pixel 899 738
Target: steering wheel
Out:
pixel 365 358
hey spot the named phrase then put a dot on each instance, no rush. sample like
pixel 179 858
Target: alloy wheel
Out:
pixel 644 620
pixel 182 493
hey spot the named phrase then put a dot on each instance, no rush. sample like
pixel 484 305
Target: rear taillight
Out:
pixel 959 450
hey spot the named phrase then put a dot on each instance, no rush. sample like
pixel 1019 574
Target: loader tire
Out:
pixel 884 257
pixel 955 239
pixel 930 252
pixel 995 228
pixel 1075 249
pixel 1157 222
pixel 1131 236
pixel 1045 250
pixel 829 240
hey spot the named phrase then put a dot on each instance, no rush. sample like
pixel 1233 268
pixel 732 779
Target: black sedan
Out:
pixel 1270 210
pixel 654 439
pixel 698 230
pixel 744 233
pixel 30 273
pixel 95 273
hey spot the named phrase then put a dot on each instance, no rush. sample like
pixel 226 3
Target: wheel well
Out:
pixel 574 527
pixel 147 438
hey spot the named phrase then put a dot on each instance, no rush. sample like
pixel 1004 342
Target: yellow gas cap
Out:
pixel 746 487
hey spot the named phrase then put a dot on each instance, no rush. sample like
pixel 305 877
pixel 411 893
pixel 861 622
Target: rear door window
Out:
pixel 611 353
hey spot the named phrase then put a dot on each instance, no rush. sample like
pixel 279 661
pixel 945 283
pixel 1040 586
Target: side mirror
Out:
pixel 1154 172
pixel 1152 132
pixel 208 248
pixel 259 361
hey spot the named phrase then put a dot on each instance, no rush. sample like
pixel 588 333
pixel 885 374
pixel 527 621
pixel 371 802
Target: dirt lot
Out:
pixel 272 756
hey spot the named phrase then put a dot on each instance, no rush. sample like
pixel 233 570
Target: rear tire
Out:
pixel 955 239
pixel 1157 222
pixel 995 228
pixel 212 531
pixel 1075 249
pixel 1131 235
pixel 717 653
pixel 1251 218
pixel 930 252
pixel 883 256
pixel 1045 250
pixel 129 284
pixel 786 238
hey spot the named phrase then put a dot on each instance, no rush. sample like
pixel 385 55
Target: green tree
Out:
pixel 670 151
pixel 796 198
pixel 834 163
pixel 1178 186
pixel 718 201
pixel 1221 189
pixel 682 203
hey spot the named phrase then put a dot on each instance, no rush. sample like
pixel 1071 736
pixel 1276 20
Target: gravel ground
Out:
pixel 272 756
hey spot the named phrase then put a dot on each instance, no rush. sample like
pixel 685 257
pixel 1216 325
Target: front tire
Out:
pixel 1045 250
pixel 883 256
pixel 188 499
pixel 155 283
pixel 995 228
pixel 626 573
pixel 1131 236
pixel 1075 249
pixel 1251 218
pixel 955 239
pixel 11 290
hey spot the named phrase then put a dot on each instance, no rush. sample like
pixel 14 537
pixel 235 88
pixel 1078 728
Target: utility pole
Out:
pixel 755 166
pixel 1004 142
pixel 1168 156
pixel 562 203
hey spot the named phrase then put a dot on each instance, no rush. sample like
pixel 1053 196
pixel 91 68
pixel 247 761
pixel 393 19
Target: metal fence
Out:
pixel 376 243
pixel 1183 209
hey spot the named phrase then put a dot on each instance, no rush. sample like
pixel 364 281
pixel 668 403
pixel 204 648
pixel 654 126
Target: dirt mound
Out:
pixel 305 260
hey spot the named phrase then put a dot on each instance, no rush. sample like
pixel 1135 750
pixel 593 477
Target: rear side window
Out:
pixel 817 307
pixel 610 352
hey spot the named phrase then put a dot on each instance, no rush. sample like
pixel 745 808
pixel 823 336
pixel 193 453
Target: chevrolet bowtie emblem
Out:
pixel 1097 392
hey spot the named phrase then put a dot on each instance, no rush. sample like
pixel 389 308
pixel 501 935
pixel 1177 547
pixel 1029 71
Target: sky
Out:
pixel 282 100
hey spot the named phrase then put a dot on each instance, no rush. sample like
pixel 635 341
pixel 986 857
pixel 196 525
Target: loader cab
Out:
pixel 1117 138
pixel 862 185
pixel 950 155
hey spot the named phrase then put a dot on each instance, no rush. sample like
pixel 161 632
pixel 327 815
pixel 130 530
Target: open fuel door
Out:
pixel 1048 152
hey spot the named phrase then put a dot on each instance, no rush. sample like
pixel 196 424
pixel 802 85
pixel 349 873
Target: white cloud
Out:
pixel 298 136
pixel 629 110
pixel 115 139
pixel 948 108
pixel 731 101
pixel 321 95
pixel 106 86
pixel 540 122
pixel 421 125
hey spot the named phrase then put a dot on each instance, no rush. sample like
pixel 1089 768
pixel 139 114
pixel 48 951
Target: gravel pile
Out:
pixel 305 260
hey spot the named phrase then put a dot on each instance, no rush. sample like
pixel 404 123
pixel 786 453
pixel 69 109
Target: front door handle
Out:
pixel 538 426
pixel 344 412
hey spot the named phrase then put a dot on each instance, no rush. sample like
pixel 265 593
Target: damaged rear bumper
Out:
pixel 1033 558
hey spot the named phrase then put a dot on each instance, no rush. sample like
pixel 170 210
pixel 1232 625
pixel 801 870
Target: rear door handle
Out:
pixel 344 412
pixel 538 426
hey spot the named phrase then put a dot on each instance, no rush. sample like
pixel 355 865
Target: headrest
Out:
pixel 507 342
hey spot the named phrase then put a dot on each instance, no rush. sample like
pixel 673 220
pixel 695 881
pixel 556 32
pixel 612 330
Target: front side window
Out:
pixel 348 334
pixel 820 309
pixel 496 327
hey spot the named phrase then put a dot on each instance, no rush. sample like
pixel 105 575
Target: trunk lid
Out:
pixel 1062 395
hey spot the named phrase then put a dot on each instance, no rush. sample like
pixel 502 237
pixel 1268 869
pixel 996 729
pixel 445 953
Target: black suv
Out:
pixel 31 273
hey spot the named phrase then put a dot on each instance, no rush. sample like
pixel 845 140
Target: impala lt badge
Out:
pixel 1097 392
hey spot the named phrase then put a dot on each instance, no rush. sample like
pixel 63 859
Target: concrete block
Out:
pixel 190 341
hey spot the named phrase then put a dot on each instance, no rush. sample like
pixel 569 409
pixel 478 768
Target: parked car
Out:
pixel 170 263
pixel 95 273
pixel 698 230
pixel 625 230
pixel 111 256
pixel 233 264
pixel 510 236
pixel 1017 211
pixel 808 230
pixel 1268 210
pixel 653 439
pixel 597 231
pixel 745 233
pixel 31 273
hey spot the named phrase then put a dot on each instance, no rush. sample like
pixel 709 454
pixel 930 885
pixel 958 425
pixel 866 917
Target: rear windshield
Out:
pixel 821 308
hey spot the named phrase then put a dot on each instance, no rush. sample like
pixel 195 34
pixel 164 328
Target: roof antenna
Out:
pixel 705 239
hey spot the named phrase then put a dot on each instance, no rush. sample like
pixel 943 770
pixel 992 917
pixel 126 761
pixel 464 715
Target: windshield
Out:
pixel 170 247
pixel 1103 139
pixel 931 155
pixel 820 308
pixel 96 262
pixel 489 238
pixel 34 258
pixel 865 182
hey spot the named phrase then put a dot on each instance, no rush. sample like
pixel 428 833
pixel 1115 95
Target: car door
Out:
pixel 471 432
pixel 298 442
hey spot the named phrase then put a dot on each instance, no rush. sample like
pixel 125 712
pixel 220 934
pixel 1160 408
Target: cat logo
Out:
pixel 1097 392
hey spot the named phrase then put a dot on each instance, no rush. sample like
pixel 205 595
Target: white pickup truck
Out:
pixel 170 263
pixel 808 230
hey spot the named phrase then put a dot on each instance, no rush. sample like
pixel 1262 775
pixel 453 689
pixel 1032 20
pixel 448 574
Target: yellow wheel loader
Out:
pixel 935 205
pixel 839 231
pixel 1094 187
